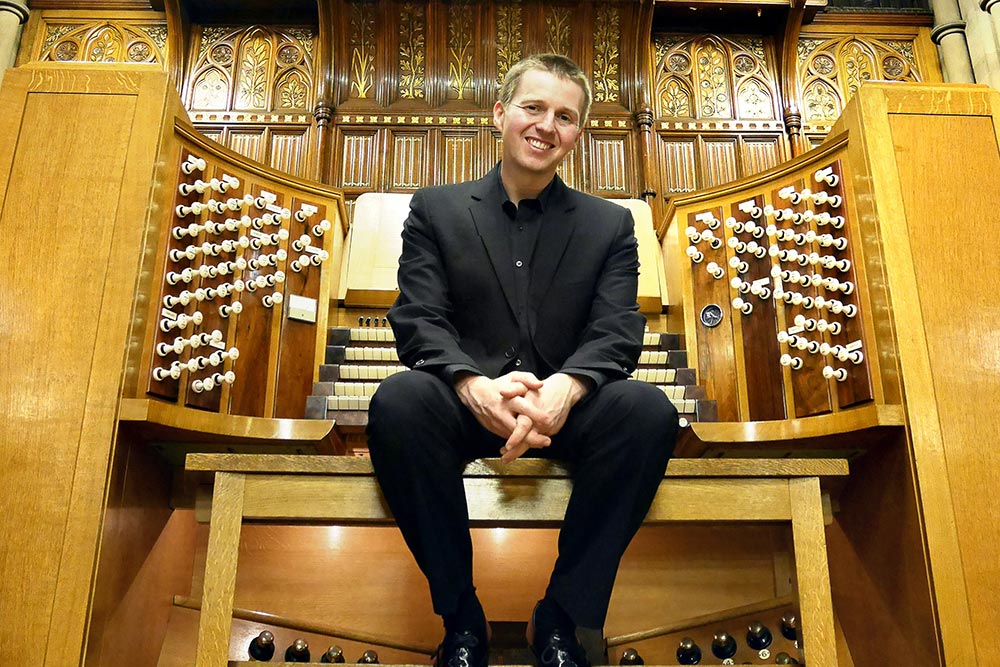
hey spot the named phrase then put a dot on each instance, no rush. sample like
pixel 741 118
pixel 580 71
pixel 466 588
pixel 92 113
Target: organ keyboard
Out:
pixel 358 358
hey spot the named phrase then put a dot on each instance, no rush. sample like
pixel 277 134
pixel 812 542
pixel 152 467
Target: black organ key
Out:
pixel 789 626
pixel 262 647
pixel 631 657
pixel 758 636
pixel 369 657
pixel 334 654
pixel 723 645
pixel 688 653
pixel 298 651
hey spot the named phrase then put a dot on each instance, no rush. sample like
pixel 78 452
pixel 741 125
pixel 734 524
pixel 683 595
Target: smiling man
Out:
pixel 517 312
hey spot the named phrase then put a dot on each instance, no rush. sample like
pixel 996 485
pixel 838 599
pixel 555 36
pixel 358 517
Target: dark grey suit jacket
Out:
pixel 456 305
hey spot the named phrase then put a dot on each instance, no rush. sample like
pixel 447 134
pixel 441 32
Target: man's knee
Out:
pixel 645 411
pixel 401 402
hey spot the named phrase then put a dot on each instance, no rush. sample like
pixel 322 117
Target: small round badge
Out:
pixel 711 315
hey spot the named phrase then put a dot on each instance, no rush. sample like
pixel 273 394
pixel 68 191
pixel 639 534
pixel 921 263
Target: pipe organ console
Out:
pixel 775 319
pixel 806 307
pixel 242 301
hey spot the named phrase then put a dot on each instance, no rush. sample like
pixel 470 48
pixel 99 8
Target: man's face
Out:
pixel 541 123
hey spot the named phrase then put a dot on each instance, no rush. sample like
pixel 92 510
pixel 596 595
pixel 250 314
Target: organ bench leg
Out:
pixel 216 619
pixel 812 572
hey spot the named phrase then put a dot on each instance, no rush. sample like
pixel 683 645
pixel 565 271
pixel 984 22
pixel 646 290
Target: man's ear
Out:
pixel 498 116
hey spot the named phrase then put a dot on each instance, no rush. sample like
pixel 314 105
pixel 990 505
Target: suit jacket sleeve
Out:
pixel 421 316
pixel 611 341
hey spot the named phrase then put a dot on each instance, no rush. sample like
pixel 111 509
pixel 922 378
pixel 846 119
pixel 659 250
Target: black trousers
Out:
pixel 616 441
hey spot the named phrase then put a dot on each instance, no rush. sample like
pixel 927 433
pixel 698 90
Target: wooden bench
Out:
pixel 527 492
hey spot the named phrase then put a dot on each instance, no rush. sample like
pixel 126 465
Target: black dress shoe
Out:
pixel 559 648
pixel 462 649
pixel 552 640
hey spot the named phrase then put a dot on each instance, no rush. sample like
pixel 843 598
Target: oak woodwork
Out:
pixel 59 410
pixel 951 454
pixel 791 494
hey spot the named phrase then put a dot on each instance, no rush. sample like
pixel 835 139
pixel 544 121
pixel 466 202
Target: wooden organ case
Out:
pixel 851 350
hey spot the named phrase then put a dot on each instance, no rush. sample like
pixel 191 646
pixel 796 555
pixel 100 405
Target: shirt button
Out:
pixel 520 228
pixel 420 362
pixel 517 362
pixel 509 352
pixel 519 264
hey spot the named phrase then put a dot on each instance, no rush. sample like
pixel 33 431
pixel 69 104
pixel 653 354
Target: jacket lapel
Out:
pixel 487 215
pixel 557 229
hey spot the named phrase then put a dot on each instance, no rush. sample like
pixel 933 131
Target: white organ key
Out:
pixel 192 164
pixel 235 308
pixel 713 241
pixel 744 307
pixel 795 363
pixel 738 264
pixel 709 219
pixel 820 198
pixel 323 227
pixel 840 374
pixel 826 176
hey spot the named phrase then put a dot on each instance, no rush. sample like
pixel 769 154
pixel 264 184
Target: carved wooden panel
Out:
pixel 678 169
pixel 289 150
pixel 609 164
pixel 762 153
pixel 714 76
pixel 720 162
pixel 408 163
pixel 121 41
pixel 461 157
pixel 832 68
pixel 252 68
pixel 359 160
pixel 248 142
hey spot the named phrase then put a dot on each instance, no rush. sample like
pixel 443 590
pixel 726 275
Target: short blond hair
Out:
pixel 552 63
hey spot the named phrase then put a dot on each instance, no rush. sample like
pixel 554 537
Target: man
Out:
pixel 517 313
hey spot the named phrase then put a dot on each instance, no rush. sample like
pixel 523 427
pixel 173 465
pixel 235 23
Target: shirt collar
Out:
pixel 543 198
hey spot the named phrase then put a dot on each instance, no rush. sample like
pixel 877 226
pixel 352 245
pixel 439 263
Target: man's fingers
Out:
pixel 522 427
pixel 527 379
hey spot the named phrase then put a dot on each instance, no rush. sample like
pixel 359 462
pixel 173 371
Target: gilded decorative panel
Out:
pixel 714 77
pixel 252 68
pixel 607 165
pixel 558 30
pixel 105 41
pixel 408 160
pixel 607 40
pixel 412 51
pixel 460 50
pixel 510 42
pixel 362 48
pixel 832 69
pixel 459 158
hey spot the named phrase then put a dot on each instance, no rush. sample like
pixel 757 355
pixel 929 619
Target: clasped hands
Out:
pixel 520 407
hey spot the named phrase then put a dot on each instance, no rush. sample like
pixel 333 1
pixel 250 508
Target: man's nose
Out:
pixel 547 121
